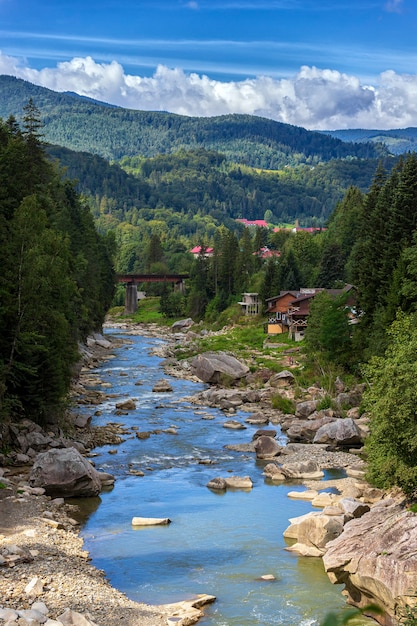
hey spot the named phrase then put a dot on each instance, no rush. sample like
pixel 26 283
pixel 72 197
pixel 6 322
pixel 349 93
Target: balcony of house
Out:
pixel 251 304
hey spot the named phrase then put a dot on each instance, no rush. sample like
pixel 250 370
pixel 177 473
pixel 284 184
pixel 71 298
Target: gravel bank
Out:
pixel 39 539
pixel 40 542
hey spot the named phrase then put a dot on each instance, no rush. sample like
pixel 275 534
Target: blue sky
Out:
pixel 312 63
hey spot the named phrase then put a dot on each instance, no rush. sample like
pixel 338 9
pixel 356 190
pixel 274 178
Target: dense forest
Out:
pixel 203 183
pixel 56 281
pixel 112 132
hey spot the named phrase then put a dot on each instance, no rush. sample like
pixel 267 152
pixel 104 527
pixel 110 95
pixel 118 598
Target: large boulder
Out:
pixel 63 472
pixel 340 433
pixel 307 470
pixel 313 532
pixel 181 325
pixel 266 447
pixel 305 430
pixel 282 379
pixel 216 367
pixel 376 559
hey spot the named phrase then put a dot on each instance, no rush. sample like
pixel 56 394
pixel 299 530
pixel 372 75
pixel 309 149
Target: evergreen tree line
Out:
pixel 56 280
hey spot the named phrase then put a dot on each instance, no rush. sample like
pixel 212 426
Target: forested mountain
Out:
pixel 396 141
pixel 202 182
pixel 111 132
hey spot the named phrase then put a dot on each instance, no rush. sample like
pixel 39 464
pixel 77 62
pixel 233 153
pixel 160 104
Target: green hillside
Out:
pixel 202 182
pixel 85 125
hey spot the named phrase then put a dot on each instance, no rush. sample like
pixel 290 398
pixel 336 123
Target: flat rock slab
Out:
pixel 150 521
pixel 309 494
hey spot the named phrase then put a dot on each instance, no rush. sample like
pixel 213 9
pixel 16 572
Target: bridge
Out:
pixel 132 280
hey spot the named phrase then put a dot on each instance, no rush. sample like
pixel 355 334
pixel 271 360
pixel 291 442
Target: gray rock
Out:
pixel 266 448
pixel 162 386
pixel 264 432
pixel 234 425
pixel 83 421
pixel 126 405
pixel 218 484
pixel 375 558
pixel 303 469
pixel 180 325
pixel 304 409
pixel 214 367
pixel 65 473
pixel 305 430
pixel 340 433
pixel 353 508
pixel 273 472
pixel 282 379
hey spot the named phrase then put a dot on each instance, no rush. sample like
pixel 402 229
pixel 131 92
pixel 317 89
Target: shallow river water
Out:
pixel 217 543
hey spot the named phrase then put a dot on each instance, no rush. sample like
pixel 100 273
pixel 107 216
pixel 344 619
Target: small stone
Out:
pixel 34 588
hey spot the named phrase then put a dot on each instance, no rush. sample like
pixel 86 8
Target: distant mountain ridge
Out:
pixel 85 125
pixel 397 141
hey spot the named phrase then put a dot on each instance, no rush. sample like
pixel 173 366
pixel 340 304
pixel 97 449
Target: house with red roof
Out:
pixel 266 253
pixel 198 250
pixel 256 223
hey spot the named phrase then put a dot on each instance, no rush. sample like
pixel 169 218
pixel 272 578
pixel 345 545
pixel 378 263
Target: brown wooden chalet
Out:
pixel 288 312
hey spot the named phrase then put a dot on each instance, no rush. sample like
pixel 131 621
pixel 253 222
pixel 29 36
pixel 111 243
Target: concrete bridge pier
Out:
pixel 179 286
pixel 131 300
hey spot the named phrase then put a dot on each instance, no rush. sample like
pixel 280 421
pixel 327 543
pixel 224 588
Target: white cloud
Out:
pixel 312 98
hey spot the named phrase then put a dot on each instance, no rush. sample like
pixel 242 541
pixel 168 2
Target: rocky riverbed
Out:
pixel 45 573
pixel 42 561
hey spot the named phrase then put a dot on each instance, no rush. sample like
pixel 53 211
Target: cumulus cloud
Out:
pixel 313 98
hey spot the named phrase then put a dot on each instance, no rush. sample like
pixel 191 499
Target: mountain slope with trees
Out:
pixel 112 132
pixel 200 182
pixel 397 141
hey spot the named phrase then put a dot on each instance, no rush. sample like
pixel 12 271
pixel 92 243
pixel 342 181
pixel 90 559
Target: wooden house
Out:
pixel 288 312
pixel 277 311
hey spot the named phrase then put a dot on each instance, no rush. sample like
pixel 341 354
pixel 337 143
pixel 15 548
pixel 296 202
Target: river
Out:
pixel 217 543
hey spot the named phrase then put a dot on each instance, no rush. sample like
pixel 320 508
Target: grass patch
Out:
pixel 148 313
pixel 283 404
pixel 245 340
pixel 325 403
pixel 2 485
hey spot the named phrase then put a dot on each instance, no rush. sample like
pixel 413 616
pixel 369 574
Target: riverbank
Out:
pixel 46 574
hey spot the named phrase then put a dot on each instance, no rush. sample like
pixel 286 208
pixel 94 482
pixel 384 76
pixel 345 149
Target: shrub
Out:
pixel 282 404
pixel 325 403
